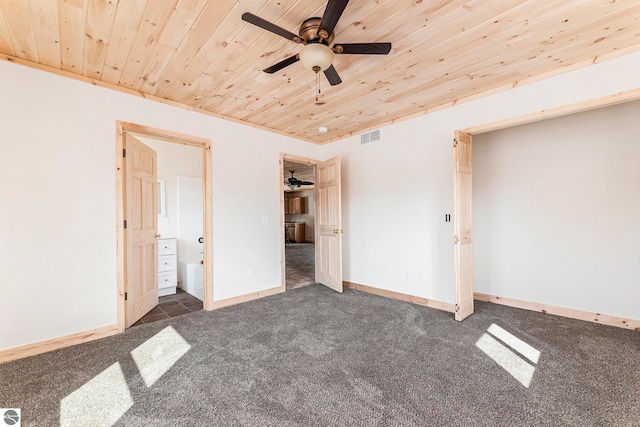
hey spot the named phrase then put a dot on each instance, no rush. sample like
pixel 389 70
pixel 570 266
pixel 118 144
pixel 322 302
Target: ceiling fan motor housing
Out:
pixel 309 31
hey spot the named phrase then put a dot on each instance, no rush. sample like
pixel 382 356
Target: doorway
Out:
pixel 148 199
pixel 299 223
pixel 179 230
pixel 463 171
pixel 325 241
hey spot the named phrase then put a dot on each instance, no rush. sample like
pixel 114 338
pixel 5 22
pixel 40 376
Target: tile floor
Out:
pixel 300 264
pixel 171 306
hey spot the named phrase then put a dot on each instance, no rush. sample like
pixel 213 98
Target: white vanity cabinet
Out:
pixel 167 267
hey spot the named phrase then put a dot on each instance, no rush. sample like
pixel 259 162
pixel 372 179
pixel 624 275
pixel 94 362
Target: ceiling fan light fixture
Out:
pixel 316 57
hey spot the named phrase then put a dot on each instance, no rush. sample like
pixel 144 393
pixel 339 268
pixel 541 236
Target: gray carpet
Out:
pixel 313 357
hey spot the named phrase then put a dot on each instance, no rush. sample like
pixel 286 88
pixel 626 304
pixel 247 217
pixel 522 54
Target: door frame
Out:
pixel 305 161
pixel 578 107
pixel 122 128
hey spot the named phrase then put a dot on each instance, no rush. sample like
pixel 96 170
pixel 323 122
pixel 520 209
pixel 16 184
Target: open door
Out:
pixel 462 225
pixel 141 224
pixel 328 224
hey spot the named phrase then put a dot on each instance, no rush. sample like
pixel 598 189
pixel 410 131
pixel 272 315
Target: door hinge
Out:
pixel 125 296
pixel 455 143
pixel 455 240
pixel 124 152
pixel 125 223
pixel 457 308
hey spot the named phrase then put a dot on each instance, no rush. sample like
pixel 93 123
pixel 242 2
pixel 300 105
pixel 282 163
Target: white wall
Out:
pixel 397 191
pixel 190 225
pixel 557 211
pixel 57 201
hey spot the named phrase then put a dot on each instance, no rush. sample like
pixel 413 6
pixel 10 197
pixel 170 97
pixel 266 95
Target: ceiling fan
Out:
pixel 294 182
pixel 316 34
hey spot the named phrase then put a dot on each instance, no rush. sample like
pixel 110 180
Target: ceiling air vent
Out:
pixel 368 137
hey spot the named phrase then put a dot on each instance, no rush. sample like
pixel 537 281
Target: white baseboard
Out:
pixel 572 313
pixel 56 343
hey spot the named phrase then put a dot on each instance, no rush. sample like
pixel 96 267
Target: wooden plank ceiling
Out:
pixel 200 54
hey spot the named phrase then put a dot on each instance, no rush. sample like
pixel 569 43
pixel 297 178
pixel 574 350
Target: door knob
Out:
pixel 337 231
pixel 158 236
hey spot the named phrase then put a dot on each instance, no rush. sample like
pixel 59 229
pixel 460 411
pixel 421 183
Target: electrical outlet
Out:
pixel 252 273
pixel 265 219
pixel 215 220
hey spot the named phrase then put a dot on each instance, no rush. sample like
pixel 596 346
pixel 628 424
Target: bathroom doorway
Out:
pixel 179 230
pixel 299 223
pixel 159 264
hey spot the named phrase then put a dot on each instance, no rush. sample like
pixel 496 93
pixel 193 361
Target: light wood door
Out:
pixel 462 225
pixel 329 225
pixel 141 224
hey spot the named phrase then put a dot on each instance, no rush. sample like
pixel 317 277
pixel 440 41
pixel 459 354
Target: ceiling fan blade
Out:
pixel 259 22
pixel 363 48
pixel 332 76
pixel 306 183
pixel 332 14
pixel 280 65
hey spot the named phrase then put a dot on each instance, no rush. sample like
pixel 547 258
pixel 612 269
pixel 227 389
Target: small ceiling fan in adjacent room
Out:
pixel 316 34
pixel 294 182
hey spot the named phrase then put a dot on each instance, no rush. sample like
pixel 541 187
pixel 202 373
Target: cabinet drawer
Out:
pixel 166 263
pixel 167 279
pixel 166 246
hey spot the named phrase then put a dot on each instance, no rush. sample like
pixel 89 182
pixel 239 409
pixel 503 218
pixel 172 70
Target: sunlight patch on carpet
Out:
pixel 515 343
pixel 158 354
pixel 509 351
pixel 99 402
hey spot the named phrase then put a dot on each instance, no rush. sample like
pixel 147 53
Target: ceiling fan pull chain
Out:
pixel 317 87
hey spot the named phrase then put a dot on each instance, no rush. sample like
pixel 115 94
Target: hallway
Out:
pixel 300 264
